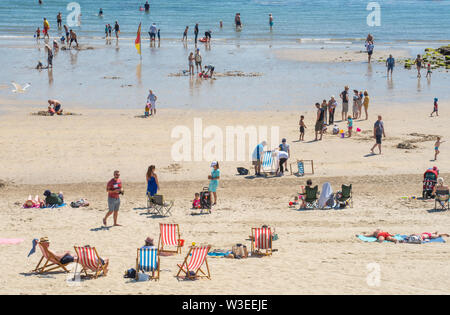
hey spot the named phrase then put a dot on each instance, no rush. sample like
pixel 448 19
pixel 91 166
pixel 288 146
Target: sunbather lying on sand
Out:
pixel 423 237
pixel 381 236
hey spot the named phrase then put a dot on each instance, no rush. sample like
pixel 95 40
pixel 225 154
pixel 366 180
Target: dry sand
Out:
pixel 317 250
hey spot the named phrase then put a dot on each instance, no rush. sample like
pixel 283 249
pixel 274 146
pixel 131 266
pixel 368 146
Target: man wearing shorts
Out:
pixel 257 157
pixel 151 99
pixel 319 121
pixel 378 132
pixel 344 97
pixel 390 63
pixel 73 38
pixel 114 189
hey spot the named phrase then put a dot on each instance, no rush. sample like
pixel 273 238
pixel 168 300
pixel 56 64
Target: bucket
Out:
pixel 181 243
pixel 343 135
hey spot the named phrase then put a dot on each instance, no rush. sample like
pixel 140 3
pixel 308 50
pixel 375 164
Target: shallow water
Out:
pixel 78 77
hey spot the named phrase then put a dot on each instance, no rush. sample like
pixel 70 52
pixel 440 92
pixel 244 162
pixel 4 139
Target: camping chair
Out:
pixel 197 256
pixel 160 206
pixel 269 163
pixel 51 263
pixel 442 199
pixel 311 197
pixel 89 259
pixel 169 236
pixel 147 260
pixel 261 240
pixel 347 196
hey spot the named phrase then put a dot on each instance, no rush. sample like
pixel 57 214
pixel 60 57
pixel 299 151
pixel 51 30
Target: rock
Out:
pixel 445 50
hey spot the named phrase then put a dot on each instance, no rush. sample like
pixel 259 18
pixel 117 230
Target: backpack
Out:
pixel 242 171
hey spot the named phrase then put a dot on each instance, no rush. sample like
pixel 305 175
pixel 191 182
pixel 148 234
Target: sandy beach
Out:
pixel 318 252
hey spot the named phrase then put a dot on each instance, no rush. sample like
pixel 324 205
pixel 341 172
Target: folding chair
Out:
pixel 50 264
pixel 347 196
pixel 169 236
pixel 89 259
pixel 301 167
pixel 311 197
pixel 147 260
pixel 197 256
pixel 160 206
pixel 269 163
pixel 442 199
pixel 261 240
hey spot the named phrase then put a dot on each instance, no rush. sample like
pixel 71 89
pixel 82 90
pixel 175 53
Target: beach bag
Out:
pixel 130 273
pixel 414 239
pixel 205 199
pixel 242 171
pixel 239 251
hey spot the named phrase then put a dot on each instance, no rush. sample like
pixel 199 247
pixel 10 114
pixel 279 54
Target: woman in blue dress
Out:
pixel 214 180
pixel 152 181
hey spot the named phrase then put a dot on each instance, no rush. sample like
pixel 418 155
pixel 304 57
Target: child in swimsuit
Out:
pixel 302 128
pixel 435 108
pixel 196 201
pixel 350 126
pixel 436 147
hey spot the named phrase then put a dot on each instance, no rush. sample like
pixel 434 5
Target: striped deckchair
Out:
pixel 262 240
pixel 269 163
pixel 192 268
pixel 169 236
pixel 147 260
pixel 89 259
pixel 51 263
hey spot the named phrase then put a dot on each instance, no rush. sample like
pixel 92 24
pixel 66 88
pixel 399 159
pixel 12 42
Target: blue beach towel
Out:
pixel 219 254
pixel 55 206
pixel 374 239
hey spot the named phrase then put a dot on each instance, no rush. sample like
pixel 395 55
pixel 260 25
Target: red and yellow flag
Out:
pixel 137 42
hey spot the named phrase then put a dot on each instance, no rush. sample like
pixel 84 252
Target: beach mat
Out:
pixel 10 241
pixel 55 206
pixel 399 238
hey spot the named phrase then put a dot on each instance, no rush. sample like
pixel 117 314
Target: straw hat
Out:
pixel 43 239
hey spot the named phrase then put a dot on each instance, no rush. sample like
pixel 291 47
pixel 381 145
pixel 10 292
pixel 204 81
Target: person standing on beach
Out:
pixel 152 32
pixel 59 19
pixel 198 60
pixel 73 38
pixel 109 30
pixel 46 28
pixel 117 29
pixel 437 144
pixel 214 180
pixel 332 104
pixel 270 21
pixel 378 132
pixel 191 59
pixel 302 128
pixel 114 189
pixel 196 33
pixel 418 63
pixel 257 157
pixel 151 99
pixel 344 97
pixel 390 64
pixel 319 121
pixel 369 47
pixel 366 103
pixel 152 181
pixel 355 104
pixel 49 56
pixel 66 29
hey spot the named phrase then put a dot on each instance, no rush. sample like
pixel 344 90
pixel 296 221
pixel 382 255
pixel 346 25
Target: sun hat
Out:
pixel 43 239
pixel 213 163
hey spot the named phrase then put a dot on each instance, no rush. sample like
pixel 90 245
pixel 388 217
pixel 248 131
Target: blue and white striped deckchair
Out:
pixel 269 163
pixel 147 260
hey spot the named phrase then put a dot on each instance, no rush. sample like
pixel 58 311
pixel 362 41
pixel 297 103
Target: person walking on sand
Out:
pixel 366 103
pixel 435 107
pixel 418 63
pixel 319 121
pixel 151 99
pixel 214 180
pixel 390 64
pixel 437 144
pixel 114 189
pixel 344 97
pixel 152 181
pixel 46 28
pixel 378 132
pixel 257 157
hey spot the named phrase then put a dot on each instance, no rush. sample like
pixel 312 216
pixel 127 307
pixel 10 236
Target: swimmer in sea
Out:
pixel 100 13
pixel 270 20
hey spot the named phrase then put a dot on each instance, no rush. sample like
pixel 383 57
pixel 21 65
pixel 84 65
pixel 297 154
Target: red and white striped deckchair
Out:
pixel 192 268
pixel 169 236
pixel 51 262
pixel 262 240
pixel 89 259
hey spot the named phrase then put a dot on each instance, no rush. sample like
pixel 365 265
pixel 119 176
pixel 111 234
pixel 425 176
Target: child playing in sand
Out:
pixel 436 147
pixel 435 107
pixel 147 110
pixel 196 201
pixel 302 128
pixel 350 125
